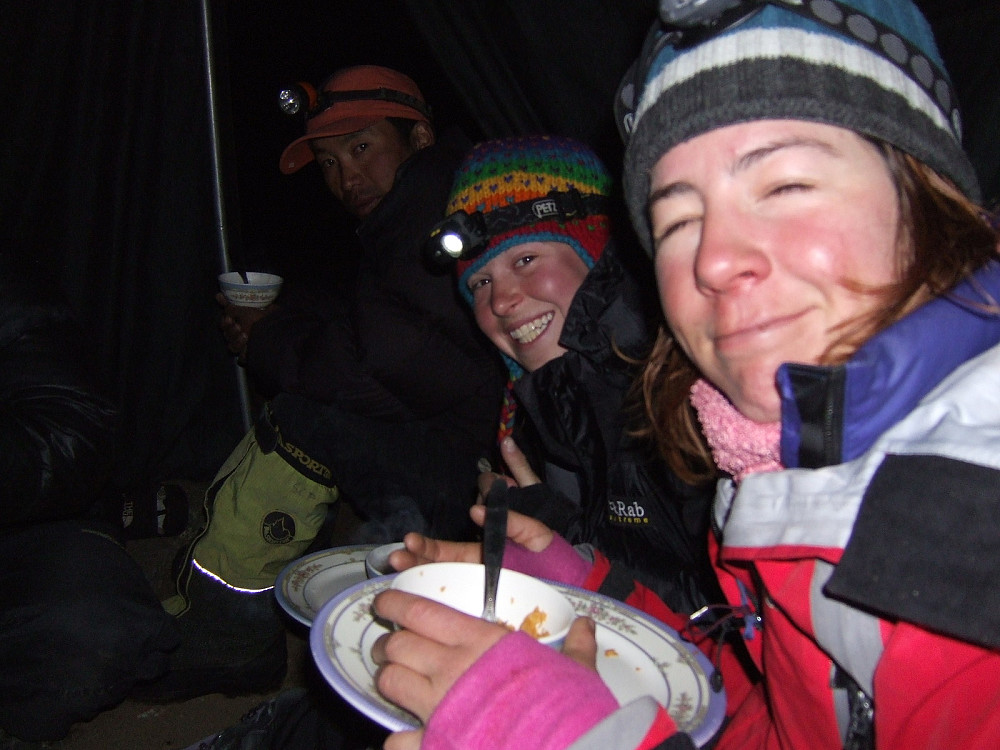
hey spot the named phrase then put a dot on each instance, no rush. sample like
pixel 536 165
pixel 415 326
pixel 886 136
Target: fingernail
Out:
pixel 507 443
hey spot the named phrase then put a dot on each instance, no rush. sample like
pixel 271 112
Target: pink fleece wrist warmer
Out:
pixel 519 694
pixel 557 562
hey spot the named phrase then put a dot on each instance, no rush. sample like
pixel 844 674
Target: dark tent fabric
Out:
pixel 106 168
pixel 966 35
pixel 523 66
pixel 106 192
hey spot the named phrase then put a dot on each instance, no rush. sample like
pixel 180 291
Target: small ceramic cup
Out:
pixel 377 561
pixel 260 289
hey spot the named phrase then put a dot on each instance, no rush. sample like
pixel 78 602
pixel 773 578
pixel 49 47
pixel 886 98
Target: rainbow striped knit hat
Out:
pixel 505 171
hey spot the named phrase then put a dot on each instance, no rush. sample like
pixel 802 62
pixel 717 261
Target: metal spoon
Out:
pixel 494 538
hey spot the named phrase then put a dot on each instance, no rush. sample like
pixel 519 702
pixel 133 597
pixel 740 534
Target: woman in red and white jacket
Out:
pixel 831 344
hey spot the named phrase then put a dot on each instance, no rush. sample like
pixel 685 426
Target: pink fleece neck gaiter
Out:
pixel 739 445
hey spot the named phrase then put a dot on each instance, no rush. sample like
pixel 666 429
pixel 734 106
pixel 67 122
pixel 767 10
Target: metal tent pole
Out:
pixel 215 82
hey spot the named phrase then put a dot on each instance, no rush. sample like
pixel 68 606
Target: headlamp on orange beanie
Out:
pixel 302 98
pixel 298 98
pixel 351 100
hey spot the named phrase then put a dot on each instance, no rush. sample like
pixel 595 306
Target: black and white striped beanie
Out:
pixel 871 66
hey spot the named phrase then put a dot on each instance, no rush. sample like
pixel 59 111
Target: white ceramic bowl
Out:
pixel 260 292
pixel 377 561
pixel 460 585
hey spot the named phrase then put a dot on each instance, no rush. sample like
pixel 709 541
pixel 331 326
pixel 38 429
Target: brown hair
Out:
pixel 943 238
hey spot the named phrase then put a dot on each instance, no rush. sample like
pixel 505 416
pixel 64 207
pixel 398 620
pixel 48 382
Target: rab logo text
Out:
pixel 620 511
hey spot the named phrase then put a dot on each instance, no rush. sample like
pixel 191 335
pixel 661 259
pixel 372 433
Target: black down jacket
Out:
pixel 573 423
pixel 56 433
pixel 397 360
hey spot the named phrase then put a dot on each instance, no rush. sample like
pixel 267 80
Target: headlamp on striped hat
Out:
pixel 464 236
pixel 870 66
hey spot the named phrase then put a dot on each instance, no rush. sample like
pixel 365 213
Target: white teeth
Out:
pixel 530 331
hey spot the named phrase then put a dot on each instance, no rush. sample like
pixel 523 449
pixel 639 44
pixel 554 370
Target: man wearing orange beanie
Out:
pixel 385 395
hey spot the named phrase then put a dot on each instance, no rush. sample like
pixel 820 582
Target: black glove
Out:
pixel 545 504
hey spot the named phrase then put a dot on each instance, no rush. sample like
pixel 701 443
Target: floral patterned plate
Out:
pixel 306 584
pixel 636 655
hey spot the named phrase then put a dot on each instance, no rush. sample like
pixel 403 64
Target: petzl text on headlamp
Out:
pixel 463 236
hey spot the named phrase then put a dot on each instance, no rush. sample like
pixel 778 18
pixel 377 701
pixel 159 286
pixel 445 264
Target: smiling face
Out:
pixel 521 298
pixel 762 234
pixel 360 167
